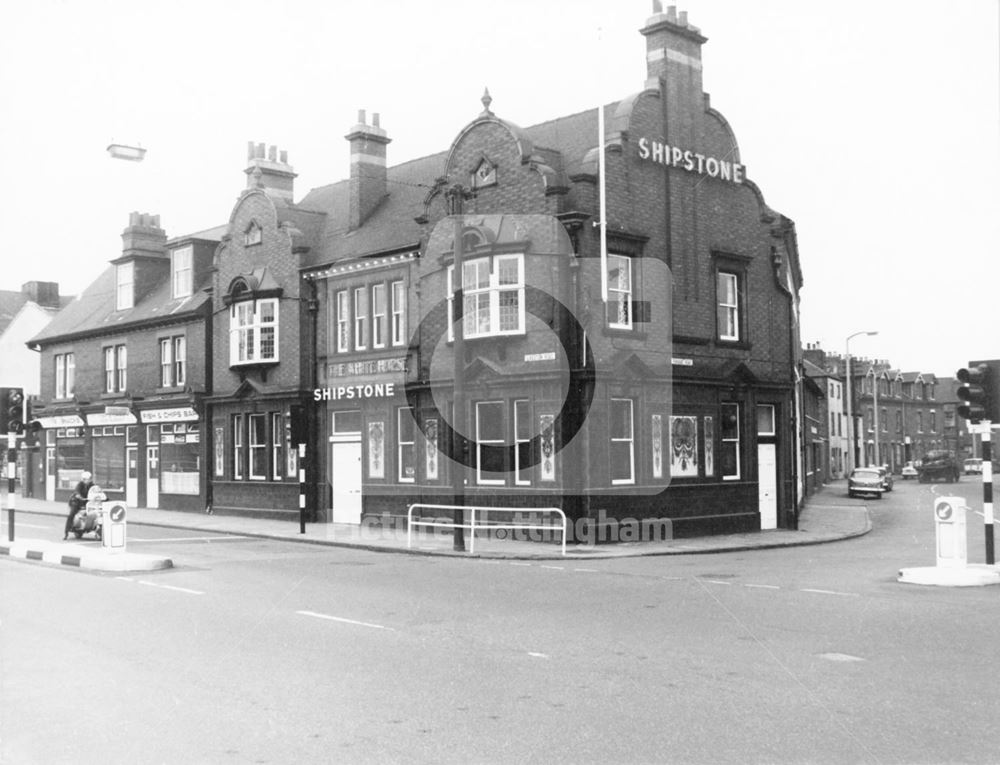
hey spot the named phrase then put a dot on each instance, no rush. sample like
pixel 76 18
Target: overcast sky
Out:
pixel 873 124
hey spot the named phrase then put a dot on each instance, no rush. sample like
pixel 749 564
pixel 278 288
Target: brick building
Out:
pixel 124 371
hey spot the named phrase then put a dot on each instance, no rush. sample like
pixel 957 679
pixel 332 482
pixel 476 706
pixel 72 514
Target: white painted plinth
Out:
pixel 972 575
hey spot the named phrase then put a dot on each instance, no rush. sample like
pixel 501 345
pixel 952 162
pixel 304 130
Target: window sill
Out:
pixel 741 345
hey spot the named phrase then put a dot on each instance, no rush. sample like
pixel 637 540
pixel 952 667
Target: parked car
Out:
pixel 909 471
pixel 939 463
pixel 886 477
pixel 973 465
pixel 866 480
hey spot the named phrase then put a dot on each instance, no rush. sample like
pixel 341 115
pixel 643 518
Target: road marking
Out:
pixel 538 655
pixel 587 570
pixel 515 563
pixel 831 592
pixel 345 621
pixel 763 586
pixel 839 657
pixel 555 568
pixel 716 581
pixel 170 587
pixel 189 539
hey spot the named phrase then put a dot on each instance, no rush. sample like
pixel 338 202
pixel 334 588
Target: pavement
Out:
pixel 827 516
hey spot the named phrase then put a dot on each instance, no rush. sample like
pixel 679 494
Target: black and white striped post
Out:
pixel 988 489
pixel 302 488
pixel 11 481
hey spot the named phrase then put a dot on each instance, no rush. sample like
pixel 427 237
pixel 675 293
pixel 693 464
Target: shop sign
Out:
pixel 691 161
pixel 682 362
pixel 61 421
pixel 367 368
pixel 111 419
pixel 372 390
pixel 550 356
pixel 176 414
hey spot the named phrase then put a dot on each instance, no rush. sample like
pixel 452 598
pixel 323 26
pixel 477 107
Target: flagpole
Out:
pixel 602 203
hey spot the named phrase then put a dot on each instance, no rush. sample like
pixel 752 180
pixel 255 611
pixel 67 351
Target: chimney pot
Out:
pixel 375 119
pixel 272 153
pixel 682 18
pixel 672 13
pixel 361 117
pixel 284 157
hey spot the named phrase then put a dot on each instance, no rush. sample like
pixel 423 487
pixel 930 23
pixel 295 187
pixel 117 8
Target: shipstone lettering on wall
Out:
pixel 431 451
pixel 548 466
pixel 376 449
pixel 683 446
pixel 657 436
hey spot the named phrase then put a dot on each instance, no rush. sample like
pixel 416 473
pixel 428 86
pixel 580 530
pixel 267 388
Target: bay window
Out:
pixel 253 331
pixel 492 296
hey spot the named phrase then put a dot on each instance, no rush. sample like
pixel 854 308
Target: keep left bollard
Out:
pixel 113 532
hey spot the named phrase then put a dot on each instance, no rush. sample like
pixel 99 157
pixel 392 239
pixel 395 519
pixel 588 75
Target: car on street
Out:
pixel 939 463
pixel 972 465
pixel 866 481
pixel 908 471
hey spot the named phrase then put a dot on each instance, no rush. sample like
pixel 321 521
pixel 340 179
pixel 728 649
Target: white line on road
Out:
pixel 587 570
pixel 538 655
pixel 344 621
pixel 763 586
pixel 830 592
pixel 515 563
pixel 555 568
pixel 716 581
pixel 171 587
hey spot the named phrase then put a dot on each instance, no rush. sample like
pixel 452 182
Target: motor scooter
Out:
pixel 90 517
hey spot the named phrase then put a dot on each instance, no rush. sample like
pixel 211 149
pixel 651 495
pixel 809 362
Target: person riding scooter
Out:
pixel 78 500
pixel 91 515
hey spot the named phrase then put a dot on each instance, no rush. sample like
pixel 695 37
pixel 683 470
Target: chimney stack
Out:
pixel 268 169
pixel 673 48
pixel 143 237
pixel 45 294
pixel 368 186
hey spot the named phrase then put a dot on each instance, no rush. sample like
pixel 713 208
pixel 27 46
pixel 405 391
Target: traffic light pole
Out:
pixel 988 490
pixel 11 480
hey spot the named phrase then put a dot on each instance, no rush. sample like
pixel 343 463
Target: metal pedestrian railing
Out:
pixel 483 524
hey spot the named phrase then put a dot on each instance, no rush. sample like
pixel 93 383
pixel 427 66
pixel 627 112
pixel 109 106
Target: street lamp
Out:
pixel 850 416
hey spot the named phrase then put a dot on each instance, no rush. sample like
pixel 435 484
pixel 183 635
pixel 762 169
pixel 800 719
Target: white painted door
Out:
pixel 345 474
pixel 152 476
pixel 132 476
pixel 767 491
pixel 50 473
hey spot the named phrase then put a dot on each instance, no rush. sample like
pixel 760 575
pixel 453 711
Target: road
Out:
pixel 269 652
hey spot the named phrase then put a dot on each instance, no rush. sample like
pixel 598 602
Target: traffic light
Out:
pixel 980 391
pixel 296 426
pixel 12 410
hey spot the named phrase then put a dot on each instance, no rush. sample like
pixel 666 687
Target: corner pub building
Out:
pixel 674 398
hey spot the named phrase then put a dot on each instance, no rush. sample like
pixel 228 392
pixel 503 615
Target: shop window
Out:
pixel 492 297
pixel 180 458
pixel 173 362
pixel 108 446
pixel 406 459
pixel 378 316
pixel 343 322
pixel 398 313
pixel 237 427
pixel 619 292
pixel 257 444
pixel 124 286
pixel 729 452
pixel 69 456
pixel 180 272
pixel 65 374
pixel 253 331
pixel 522 441
pixel 360 318
pixel 621 431
pixel 489 443
pixel 115 368
pixel 277 433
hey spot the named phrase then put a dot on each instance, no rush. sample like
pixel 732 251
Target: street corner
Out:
pixel 972 575
pixel 79 556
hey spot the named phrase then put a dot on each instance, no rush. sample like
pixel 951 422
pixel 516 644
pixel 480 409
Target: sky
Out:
pixel 874 125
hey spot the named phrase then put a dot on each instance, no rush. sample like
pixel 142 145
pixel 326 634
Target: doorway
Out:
pixel 345 477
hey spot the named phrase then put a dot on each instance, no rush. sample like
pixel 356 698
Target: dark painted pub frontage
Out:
pixel 631 362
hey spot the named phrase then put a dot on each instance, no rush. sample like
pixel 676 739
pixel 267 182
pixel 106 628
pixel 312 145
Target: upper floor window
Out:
pixel 253 331
pixel 934 422
pixel 378 316
pixel 398 313
pixel 173 362
pixel 728 305
pixel 360 318
pixel 124 286
pixel 180 272
pixel 253 235
pixel 493 296
pixel 115 368
pixel 619 291
pixel 65 374
pixel 343 322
